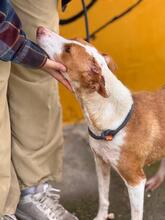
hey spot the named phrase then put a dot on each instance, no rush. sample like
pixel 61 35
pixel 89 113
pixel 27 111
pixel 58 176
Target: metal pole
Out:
pixel 86 20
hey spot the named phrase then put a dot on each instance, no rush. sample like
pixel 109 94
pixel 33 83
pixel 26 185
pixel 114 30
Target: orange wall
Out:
pixel 135 41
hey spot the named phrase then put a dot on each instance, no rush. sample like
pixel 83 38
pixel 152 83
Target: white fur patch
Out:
pixel 52 43
pixel 136 196
pixel 109 151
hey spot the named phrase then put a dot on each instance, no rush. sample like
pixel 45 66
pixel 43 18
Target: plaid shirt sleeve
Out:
pixel 14 46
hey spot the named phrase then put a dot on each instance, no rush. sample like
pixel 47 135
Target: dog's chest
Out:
pixel 109 151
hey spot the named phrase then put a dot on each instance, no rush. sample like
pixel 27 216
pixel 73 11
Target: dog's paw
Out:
pixel 154 182
pixel 110 216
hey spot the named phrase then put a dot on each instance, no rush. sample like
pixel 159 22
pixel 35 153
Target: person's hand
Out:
pixel 56 69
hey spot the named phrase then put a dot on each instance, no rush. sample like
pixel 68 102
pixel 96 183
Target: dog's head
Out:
pixel 86 67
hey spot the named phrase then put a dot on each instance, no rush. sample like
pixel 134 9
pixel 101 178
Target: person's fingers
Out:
pixel 59 77
pixel 56 66
pixel 55 69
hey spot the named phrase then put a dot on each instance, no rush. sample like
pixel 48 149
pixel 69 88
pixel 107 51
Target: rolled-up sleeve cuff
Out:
pixel 31 55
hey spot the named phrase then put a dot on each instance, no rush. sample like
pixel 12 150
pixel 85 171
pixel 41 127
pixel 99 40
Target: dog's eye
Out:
pixel 67 48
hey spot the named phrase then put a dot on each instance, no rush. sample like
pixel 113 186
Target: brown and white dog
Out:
pixel 106 103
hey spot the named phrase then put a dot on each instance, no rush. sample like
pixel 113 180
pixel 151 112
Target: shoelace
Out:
pixel 48 201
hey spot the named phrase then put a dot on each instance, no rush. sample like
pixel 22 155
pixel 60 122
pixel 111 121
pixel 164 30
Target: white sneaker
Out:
pixel 42 203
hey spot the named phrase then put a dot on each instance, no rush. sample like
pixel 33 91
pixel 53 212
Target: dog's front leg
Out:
pixel 136 195
pixel 103 174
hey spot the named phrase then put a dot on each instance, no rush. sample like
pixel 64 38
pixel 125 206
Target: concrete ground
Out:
pixel 79 188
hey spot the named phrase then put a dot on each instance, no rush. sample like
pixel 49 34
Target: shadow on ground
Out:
pixel 79 188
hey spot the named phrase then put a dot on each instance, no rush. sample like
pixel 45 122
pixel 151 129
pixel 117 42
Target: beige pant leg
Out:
pixel 37 143
pixel 8 180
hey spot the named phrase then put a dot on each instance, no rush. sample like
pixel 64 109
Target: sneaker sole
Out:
pixel 22 216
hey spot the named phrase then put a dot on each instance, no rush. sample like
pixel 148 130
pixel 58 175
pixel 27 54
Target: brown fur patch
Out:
pixel 83 68
pixel 145 138
pixel 110 62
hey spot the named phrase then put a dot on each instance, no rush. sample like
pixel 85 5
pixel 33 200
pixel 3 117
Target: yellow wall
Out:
pixel 136 42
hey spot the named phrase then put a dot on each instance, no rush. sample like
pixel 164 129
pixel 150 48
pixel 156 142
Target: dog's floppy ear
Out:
pixel 110 62
pixel 102 90
pixel 97 83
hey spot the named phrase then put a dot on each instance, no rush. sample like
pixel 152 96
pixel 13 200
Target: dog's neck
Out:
pixel 107 113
